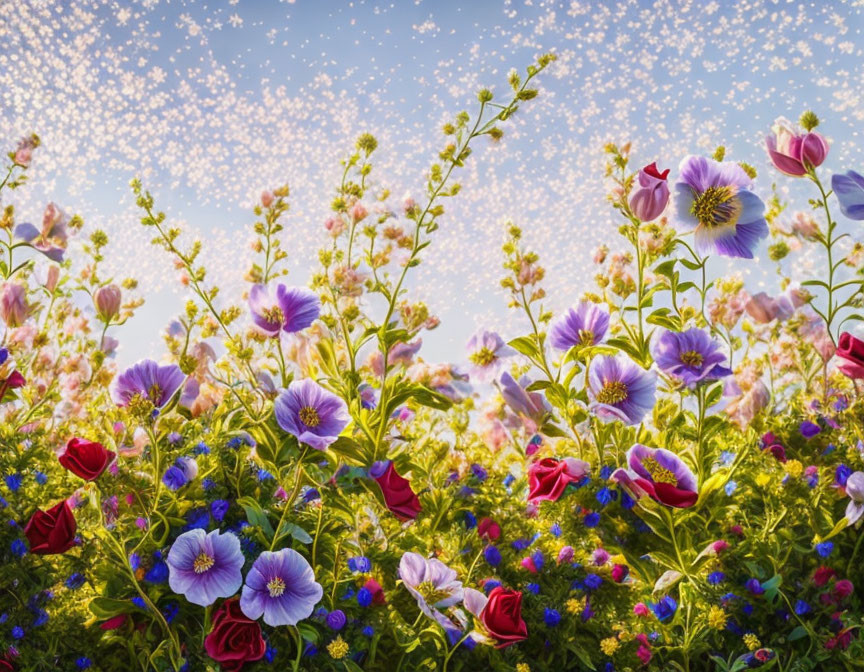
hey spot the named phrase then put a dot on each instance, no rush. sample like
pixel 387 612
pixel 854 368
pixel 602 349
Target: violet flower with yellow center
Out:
pixel 621 390
pixel 205 567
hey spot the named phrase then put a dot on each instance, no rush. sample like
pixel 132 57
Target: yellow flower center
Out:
pixel 586 337
pixel 658 474
pixel 273 314
pixel 430 593
pixel 203 562
pixel 692 358
pixel 309 416
pixel 483 357
pixel 140 406
pixel 275 586
pixel 154 393
pixel 613 392
pixel 716 206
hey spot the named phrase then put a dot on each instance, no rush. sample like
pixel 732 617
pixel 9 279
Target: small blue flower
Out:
pixel 13 482
pixel 754 586
pixel 75 581
pixel 208 483
pixel 592 519
pixel 368 631
pixel 665 608
pixel 825 548
pixel 492 556
pixel 170 611
pixel 201 449
pixel 83 663
pixel 17 632
pixel 158 573
pixel 19 548
pixel 219 507
pixel 627 502
pixel 809 429
pixel 174 478
pixel 41 618
pixel 715 578
pixel 802 608
pixel 479 472
pixel 135 561
pixel 270 653
pixel 264 475
pixel 606 472
pixel 593 581
pixel 730 487
pixel 360 564
pixel 606 495
pixel 41 478
pixel 555 530
pixel 470 520
pixel 139 602
pixel 489 586
pixel 533 588
pixel 364 597
pixel 538 559
pixel 551 617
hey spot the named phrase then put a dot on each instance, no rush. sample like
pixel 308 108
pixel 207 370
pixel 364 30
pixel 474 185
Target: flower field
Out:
pixel 667 476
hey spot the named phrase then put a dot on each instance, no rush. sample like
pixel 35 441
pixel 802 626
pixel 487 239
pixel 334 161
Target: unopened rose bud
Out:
pixel 107 301
pixel 359 212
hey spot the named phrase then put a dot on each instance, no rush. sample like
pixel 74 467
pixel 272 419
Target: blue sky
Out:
pixel 212 102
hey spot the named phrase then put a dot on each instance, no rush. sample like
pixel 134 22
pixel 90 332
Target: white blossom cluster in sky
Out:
pixel 211 102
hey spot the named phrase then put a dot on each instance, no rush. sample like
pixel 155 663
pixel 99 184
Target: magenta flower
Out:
pixel 714 200
pixel 205 567
pixel 586 324
pixel 660 474
pixel 649 201
pixel 147 380
pixel 792 152
pixel 291 310
pixel 311 413
pixel 620 390
pixel 692 356
pixel 486 353
pixel 281 587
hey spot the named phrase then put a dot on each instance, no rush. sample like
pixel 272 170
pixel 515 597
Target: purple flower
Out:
pixel 855 490
pixel 52 238
pixel 715 200
pixel 432 583
pixel 146 380
pixel 292 309
pixel 205 567
pixel 282 587
pixel 620 390
pixel 486 350
pixel 584 325
pixel 691 356
pixel 809 429
pixel 527 404
pixel 849 189
pixel 660 474
pixel 311 413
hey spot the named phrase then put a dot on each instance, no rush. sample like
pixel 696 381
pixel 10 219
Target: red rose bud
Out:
pixel 649 200
pixel 823 575
pixel 850 352
pixel 114 623
pixel 85 459
pixel 51 531
pixel 843 589
pixel 794 153
pixel 489 529
pixel 619 573
pixel 234 640
pixel 502 617
pixel 398 495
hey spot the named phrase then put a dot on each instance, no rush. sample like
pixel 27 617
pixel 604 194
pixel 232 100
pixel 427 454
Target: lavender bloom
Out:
pixel 52 238
pixel 291 310
pixel 715 200
pixel 486 350
pixel 691 356
pixel 528 404
pixel 311 413
pixel 855 490
pixel 205 567
pixel 849 189
pixel 282 587
pixel 620 390
pixel 146 380
pixel 432 583
pixel 586 324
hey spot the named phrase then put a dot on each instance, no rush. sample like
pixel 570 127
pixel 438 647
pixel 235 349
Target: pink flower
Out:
pixel 14 308
pixel 649 201
pixel 619 573
pixel 644 654
pixel 528 563
pixel 641 609
pixel 720 545
pixel 267 198
pixel 565 554
pixel 359 212
pixel 792 152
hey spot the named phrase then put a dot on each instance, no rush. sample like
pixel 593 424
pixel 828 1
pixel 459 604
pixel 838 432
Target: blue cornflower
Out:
pixel 134 561
pixel 174 478
pixel 201 449
pixel 551 617
pixel 593 581
pixel 605 495
pixel 492 556
pixel 533 588
pixel 360 564
pixel 139 602
pixel 754 586
pixel 13 482
pixel 802 608
pixel 19 548
pixel 592 519
pixel 606 472
pixel 264 475
pixel 538 559
pixel 842 474
pixel 270 653
pixel 83 663
pixel 665 608
pixel 158 573
pixel 41 618
pixel 41 478
pixel 219 507
pixel 208 483
pixel 199 519
pixel 470 520
pixel 627 502
pixel 715 578
pixel 364 597
pixel 170 611
pixel 17 632
pixel 555 530
pixel 825 548
pixel 75 581
pixel 730 487
pixel 368 631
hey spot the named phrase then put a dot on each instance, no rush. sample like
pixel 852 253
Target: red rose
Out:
pixel 548 478
pixel 850 351
pixel 398 495
pixel 86 459
pixel 234 639
pixel 502 617
pixel 51 531
pixel 488 528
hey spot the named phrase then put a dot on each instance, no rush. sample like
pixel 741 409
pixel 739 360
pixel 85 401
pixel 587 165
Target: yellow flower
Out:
pixel 794 468
pixel 609 646
pixel 751 641
pixel 717 618
pixel 523 667
pixel 618 559
pixel 762 480
pixel 338 648
pixel 575 606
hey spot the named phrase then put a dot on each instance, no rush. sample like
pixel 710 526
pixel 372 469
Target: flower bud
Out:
pixel 107 300
pixel 14 308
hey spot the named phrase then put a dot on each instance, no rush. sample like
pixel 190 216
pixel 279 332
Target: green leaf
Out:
pixel 526 346
pixel 255 515
pixel 426 397
pixel 798 633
